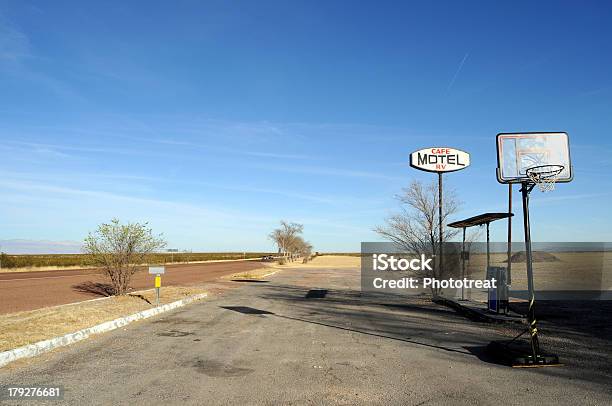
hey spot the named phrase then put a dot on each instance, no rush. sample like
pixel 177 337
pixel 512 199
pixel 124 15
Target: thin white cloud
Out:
pixel 237 151
pixel 102 196
pixel 544 200
pixel 17 56
pixel 58 149
pixel 329 171
pixel 14 44
pixel 332 200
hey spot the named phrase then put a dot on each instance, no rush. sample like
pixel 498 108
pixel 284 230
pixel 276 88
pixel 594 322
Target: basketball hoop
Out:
pixel 530 159
pixel 544 176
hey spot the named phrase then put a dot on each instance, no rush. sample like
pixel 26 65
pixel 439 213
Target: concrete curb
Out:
pixel 41 347
pixel 474 313
pixel 271 273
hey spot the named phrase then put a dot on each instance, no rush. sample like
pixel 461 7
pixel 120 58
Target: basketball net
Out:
pixel 545 176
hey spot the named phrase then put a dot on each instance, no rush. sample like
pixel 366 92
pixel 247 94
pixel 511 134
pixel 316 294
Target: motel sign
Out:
pixel 439 159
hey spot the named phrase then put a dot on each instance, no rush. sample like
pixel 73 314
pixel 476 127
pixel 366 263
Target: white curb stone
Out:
pixel 41 347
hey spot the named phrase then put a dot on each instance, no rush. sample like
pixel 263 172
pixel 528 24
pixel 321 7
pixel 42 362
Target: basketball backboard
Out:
pixel 517 152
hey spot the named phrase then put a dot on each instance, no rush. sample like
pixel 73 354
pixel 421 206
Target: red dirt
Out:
pixel 20 291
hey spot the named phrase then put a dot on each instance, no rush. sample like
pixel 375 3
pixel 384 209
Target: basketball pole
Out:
pixel 509 273
pixel 533 330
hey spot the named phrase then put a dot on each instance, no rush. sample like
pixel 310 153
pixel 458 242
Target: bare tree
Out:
pixel 301 248
pixel 119 248
pixel 285 237
pixel 415 228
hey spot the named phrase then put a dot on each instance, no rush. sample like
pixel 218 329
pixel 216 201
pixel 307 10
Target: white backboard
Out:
pixel 517 152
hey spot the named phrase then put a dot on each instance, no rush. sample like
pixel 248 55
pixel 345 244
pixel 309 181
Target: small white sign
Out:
pixel 157 270
pixel 440 159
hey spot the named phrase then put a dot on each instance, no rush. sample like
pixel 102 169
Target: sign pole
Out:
pixel 439 160
pixel 158 271
pixel 463 264
pixel 440 237
pixel 157 286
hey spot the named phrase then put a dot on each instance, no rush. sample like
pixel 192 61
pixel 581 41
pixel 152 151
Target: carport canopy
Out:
pixel 485 218
pixel 479 220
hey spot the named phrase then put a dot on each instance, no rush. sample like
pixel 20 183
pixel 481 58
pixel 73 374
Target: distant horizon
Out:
pixel 42 247
pixel 34 247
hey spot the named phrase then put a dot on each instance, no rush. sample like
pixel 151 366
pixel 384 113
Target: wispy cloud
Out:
pixel 328 171
pixel 131 181
pixel 185 209
pixel 14 44
pixel 17 56
pixel 58 149
pixel 562 198
pixel 596 91
pixel 235 151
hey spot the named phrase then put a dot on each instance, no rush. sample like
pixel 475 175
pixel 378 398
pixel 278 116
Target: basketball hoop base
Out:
pixel 517 354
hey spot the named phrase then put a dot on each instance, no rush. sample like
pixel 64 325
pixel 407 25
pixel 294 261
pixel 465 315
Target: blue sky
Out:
pixel 214 120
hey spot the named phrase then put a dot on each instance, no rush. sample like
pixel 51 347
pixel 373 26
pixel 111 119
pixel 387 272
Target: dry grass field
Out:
pixel 330 261
pixel 18 329
pixel 572 271
pixel 325 261
pixel 254 274
pixel 50 262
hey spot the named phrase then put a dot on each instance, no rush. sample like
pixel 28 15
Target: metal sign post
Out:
pixel 440 160
pixel 157 271
pixel 157 286
pixel 463 263
pixel 440 238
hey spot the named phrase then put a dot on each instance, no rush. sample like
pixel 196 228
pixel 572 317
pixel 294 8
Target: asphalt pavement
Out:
pixel 308 336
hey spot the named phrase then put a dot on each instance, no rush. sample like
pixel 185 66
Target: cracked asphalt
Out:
pixel 307 336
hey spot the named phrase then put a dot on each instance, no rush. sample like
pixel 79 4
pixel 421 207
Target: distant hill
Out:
pixel 537 256
pixel 22 246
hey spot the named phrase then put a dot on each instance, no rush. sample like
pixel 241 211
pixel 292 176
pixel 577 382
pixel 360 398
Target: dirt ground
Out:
pixel 35 290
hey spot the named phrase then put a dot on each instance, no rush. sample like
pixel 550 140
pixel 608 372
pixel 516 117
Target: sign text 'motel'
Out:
pixel 439 159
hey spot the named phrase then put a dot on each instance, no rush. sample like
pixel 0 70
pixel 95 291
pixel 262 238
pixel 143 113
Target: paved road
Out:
pixel 289 342
pixel 21 291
